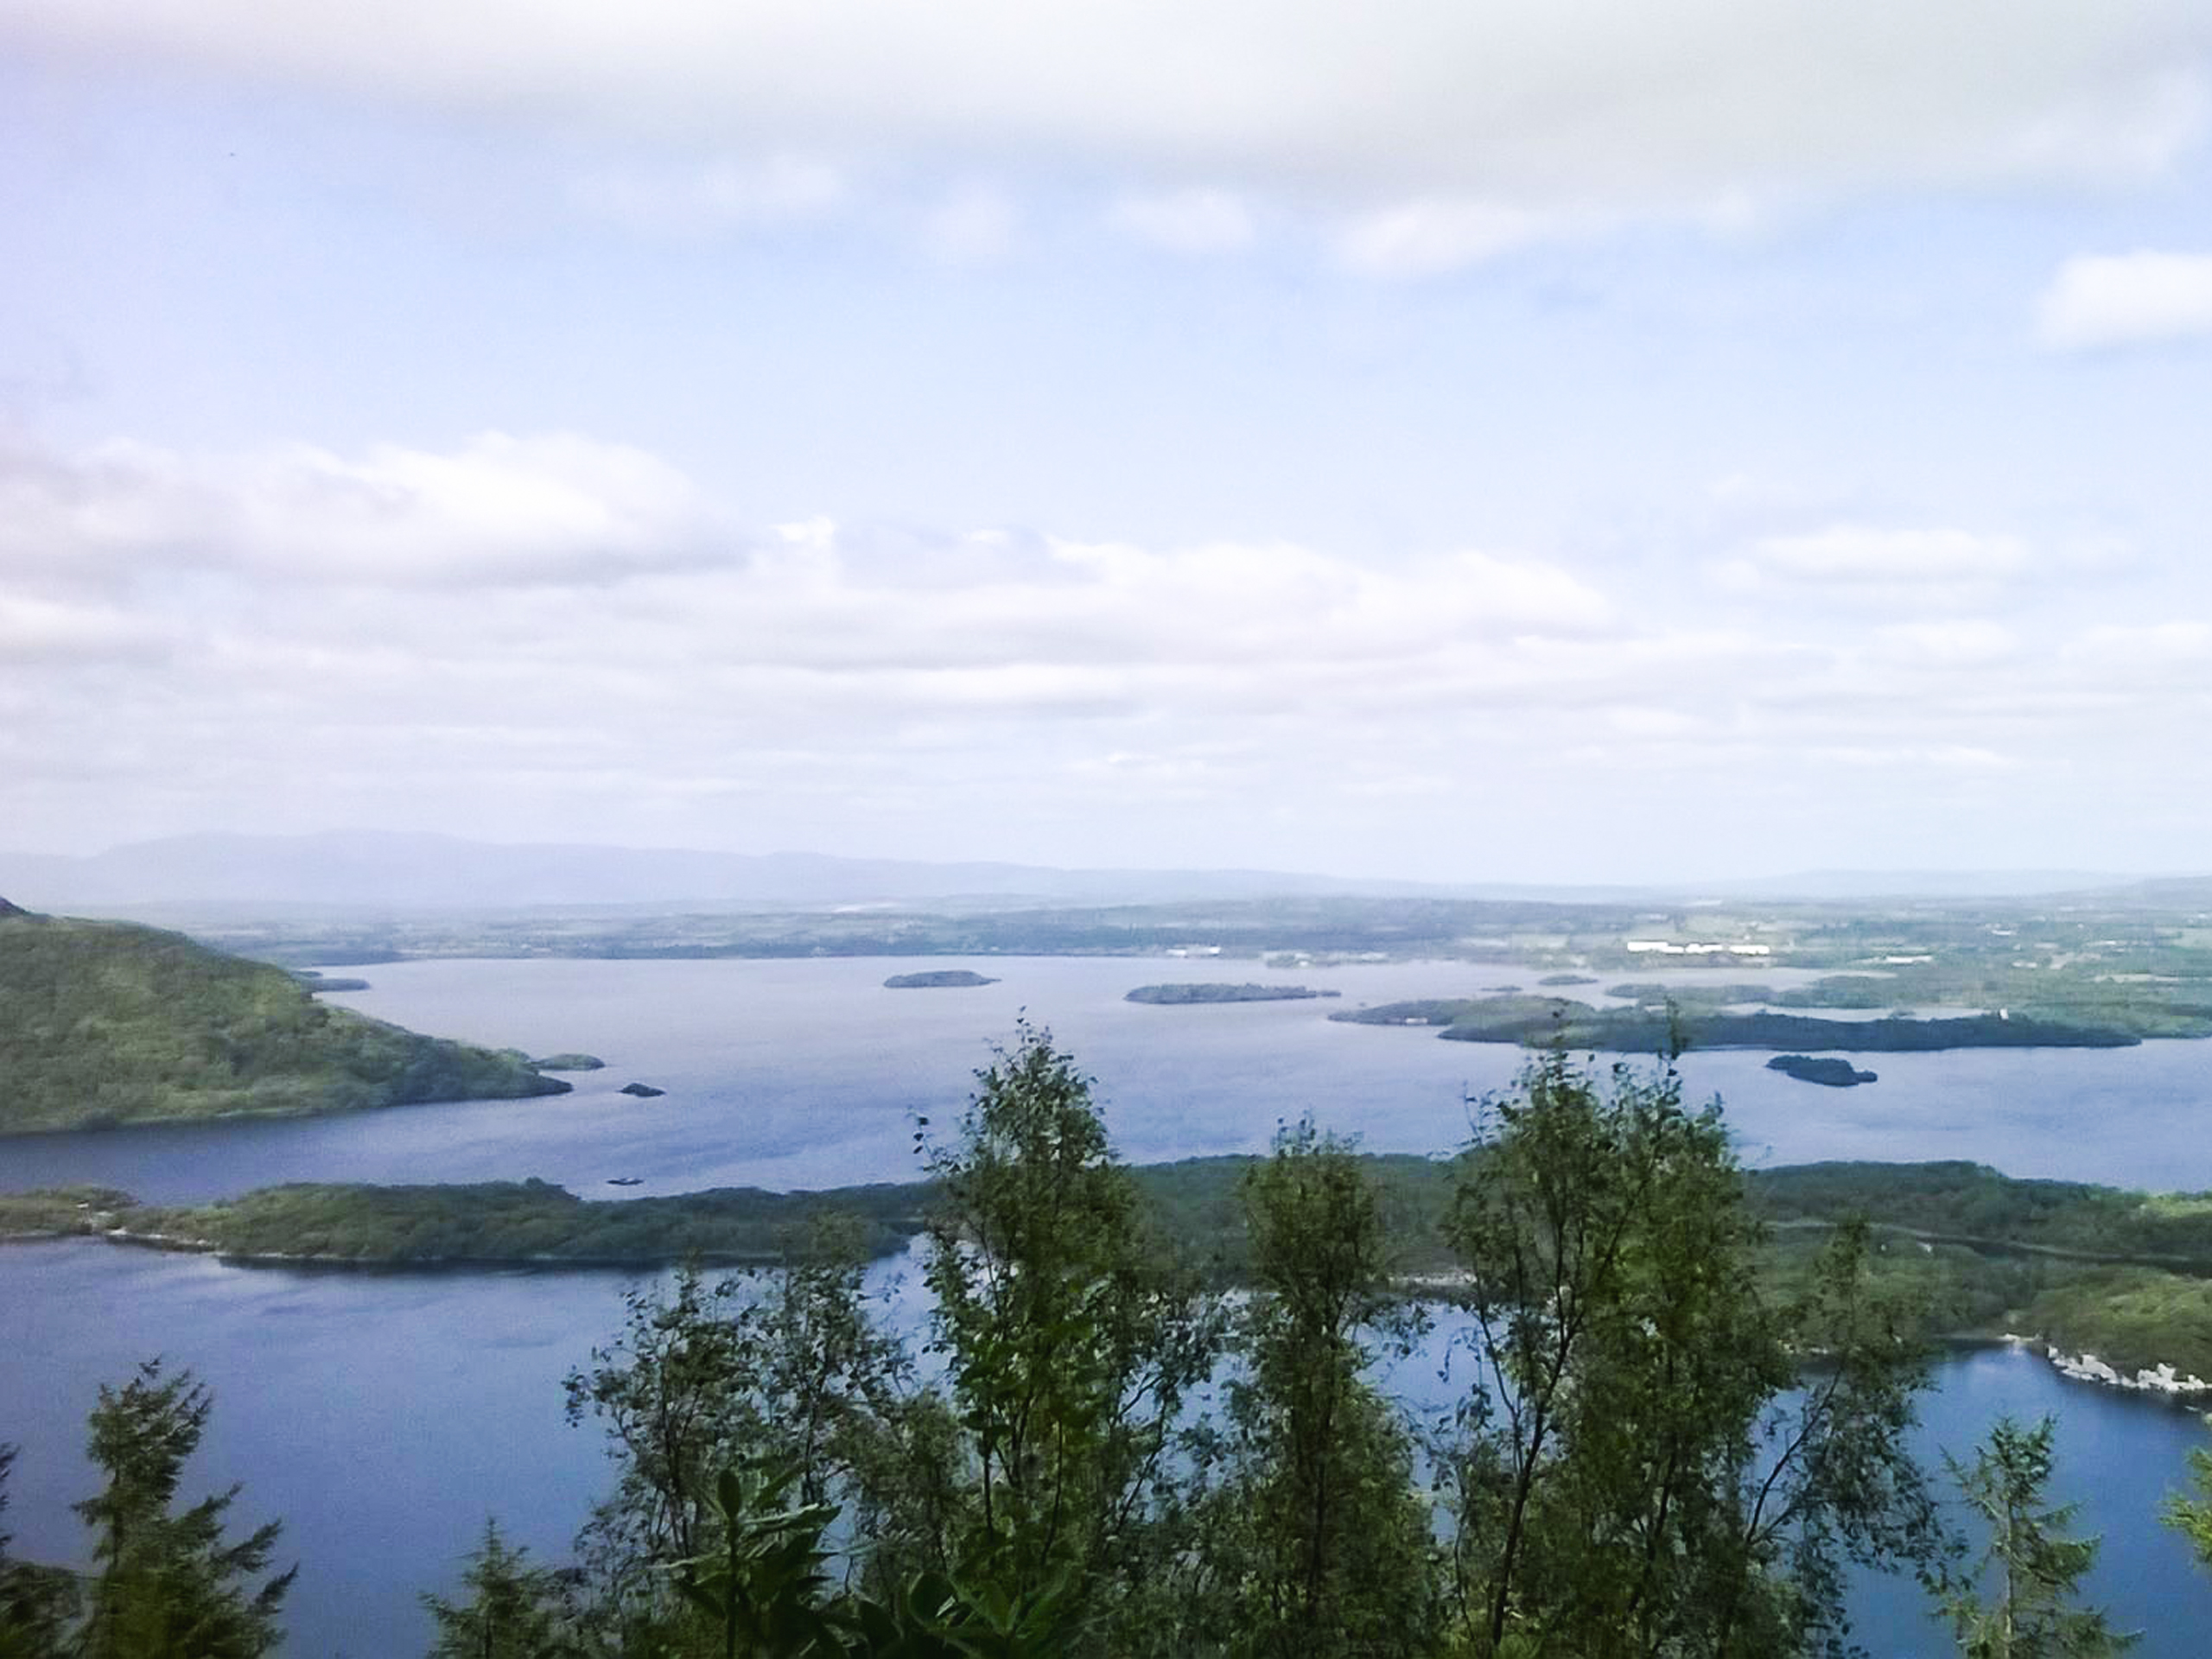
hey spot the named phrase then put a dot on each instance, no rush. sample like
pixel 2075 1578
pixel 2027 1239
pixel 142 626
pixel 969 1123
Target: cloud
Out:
pixel 2151 648
pixel 2127 300
pixel 1187 221
pixel 721 195
pixel 1939 568
pixel 1423 239
pixel 1971 643
pixel 517 631
pixel 500 510
pixel 974 227
pixel 75 635
pixel 1851 554
pixel 1532 107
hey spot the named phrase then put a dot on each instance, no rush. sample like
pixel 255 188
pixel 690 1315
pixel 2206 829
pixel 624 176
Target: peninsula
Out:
pixel 108 1023
pixel 1544 1021
pixel 2125 1277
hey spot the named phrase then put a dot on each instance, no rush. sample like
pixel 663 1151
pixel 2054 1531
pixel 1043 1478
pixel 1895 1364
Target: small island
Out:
pixel 937 979
pixel 317 981
pixel 570 1063
pixel 1832 1072
pixel 1183 995
pixel 1567 979
pixel 641 1091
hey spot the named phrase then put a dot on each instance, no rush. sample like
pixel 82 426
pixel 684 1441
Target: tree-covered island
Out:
pixel 1828 1071
pixel 1185 996
pixel 939 979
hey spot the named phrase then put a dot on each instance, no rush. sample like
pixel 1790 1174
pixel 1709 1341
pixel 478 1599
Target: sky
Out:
pixel 1455 439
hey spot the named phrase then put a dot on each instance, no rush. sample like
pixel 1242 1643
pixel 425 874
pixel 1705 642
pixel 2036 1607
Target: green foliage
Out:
pixel 104 1023
pixel 520 1221
pixel 1623 1481
pixel 2192 1516
pixel 784 1371
pixel 168 1584
pixel 1070 1342
pixel 512 1611
pixel 1318 1539
pixel 2032 1570
pixel 762 1584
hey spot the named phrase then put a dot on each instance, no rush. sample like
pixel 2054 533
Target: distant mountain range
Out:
pixel 381 871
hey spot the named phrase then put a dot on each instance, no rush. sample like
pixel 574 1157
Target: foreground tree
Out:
pixel 1070 1343
pixel 1319 1540
pixel 716 1374
pixel 168 1584
pixel 2021 1602
pixel 511 1610
pixel 2192 1516
pixel 1623 1477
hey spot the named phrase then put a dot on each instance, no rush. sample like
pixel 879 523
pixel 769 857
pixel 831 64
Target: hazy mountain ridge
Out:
pixel 386 871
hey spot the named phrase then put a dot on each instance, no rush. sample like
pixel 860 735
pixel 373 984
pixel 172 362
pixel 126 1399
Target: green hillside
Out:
pixel 107 1023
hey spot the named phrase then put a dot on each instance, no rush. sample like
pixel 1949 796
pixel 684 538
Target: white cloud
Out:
pixel 974 227
pixel 726 194
pixel 75 635
pixel 2152 646
pixel 1187 221
pixel 2127 299
pixel 1609 105
pixel 1852 553
pixel 524 629
pixel 1920 570
pixel 499 509
pixel 1969 644
pixel 1422 238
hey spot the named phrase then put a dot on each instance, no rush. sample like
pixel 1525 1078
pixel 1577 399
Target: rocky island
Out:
pixel 937 979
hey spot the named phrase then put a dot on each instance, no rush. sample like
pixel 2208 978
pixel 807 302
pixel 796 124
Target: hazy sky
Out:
pixel 1480 439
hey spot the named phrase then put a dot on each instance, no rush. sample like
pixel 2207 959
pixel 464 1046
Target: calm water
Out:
pixel 806 1074
pixel 384 1416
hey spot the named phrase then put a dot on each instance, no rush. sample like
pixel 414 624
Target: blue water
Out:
pixel 802 1074
pixel 383 1417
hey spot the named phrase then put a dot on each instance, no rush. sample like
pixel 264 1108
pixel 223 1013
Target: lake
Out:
pixel 383 1416
pixel 805 1074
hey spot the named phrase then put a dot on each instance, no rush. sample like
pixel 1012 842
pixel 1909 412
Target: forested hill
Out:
pixel 107 1023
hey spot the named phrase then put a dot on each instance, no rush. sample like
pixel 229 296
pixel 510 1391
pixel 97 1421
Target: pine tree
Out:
pixel 2032 1570
pixel 168 1584
pixel 512 1611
